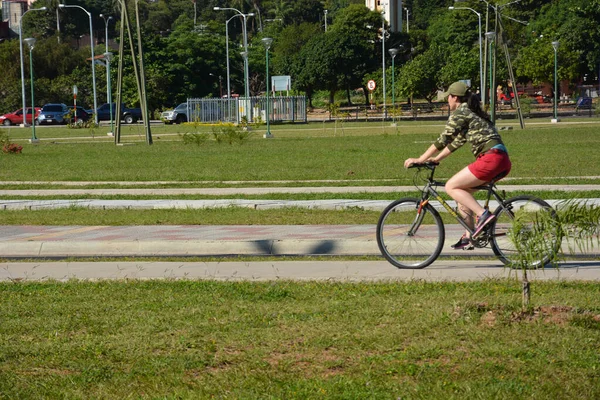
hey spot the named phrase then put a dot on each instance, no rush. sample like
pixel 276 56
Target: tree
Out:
pixel 420 77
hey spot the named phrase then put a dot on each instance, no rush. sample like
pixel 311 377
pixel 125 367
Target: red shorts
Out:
pixel 491 165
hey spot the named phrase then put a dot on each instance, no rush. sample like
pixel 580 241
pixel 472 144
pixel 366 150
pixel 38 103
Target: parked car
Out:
pixel 53 113
pixel 16 117
pixel 128 115
pixel 79 117
pixel 175 116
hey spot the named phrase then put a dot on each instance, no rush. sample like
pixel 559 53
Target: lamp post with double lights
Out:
pixel 23 68
pixel 31 43
pixel 480 50
pixel 393 52
pixel 93 58
pixel 227 50
pixel 108 56
pixel 555 45
pixel 267 42
pixel 490 37
pixel 246 71
pixel 383 58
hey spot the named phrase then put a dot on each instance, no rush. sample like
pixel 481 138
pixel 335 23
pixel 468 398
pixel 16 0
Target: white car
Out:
pixel 176 116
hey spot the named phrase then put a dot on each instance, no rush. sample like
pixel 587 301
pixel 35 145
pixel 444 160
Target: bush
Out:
pixel 230 134
pixel 194 138
pixel 7 146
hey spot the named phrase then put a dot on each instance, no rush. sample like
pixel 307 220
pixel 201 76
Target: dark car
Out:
pixel 53 114
pixel 128 115
pixel 78 117
pixel 16 117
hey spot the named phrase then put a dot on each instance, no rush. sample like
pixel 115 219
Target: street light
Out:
pixel 267 42
pixel 490 36
pixel 325 20
pixel 383 57
pixel 555 45
pixel 93 58
pixel 407 13
pixel 23 68
pixel 246 72
pixel 393 52
pixel 227 49
pixel 480 50
pixel 31 43
pixel 108 57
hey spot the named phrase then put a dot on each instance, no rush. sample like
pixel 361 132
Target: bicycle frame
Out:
pixel 430 191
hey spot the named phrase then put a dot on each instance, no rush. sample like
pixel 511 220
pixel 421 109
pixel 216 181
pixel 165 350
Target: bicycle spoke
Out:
pixel 406 241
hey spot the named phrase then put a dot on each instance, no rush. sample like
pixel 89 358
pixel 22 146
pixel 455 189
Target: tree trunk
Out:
pixel 526 291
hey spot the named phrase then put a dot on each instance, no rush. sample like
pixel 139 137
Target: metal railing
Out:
pixel 283 109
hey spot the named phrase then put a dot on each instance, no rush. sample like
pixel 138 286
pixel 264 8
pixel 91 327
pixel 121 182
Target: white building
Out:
pixel 12 12
pixel 392 10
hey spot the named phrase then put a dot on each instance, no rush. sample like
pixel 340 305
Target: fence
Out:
pixel 282 108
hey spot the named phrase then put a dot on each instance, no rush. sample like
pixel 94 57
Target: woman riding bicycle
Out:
pixel 469 123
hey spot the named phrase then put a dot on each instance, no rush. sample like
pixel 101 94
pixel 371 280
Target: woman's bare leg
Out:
pixel 460 188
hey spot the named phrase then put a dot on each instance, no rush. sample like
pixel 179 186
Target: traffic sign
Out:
pixel 371 85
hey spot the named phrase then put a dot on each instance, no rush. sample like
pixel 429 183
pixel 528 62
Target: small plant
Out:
pixel 526 104
pixel 230 134
pixel 244 123
pixel 194 138
pixel 258 121
pixel 7 146
pixel 576 224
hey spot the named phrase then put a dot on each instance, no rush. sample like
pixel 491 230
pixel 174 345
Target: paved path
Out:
pixel 264 190
pixel 457 270
pixel 187 241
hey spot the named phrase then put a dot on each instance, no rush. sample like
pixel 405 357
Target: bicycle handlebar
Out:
pixel 427 164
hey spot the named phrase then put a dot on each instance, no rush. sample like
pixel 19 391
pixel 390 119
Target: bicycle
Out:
pixel 411 233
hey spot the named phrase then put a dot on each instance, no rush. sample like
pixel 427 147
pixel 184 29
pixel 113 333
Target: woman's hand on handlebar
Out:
pixel 410 161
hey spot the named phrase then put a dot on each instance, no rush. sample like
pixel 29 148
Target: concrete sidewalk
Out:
pixel 194 240
pixel 346 271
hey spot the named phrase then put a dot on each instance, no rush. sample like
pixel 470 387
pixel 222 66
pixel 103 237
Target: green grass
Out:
pixel 417 340
pixel 300 154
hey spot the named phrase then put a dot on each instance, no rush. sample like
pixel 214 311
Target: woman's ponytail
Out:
pixel 474 103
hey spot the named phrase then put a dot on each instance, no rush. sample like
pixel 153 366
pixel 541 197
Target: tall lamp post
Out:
pixel 108 57
pixel 490 36
pixel 246 71
pixel 383 58
pixel 407 13
pixel 227 49
pixel 31 43
pixel 555 45
pixel 481 84
pixel 23 68
pixel 107 19
pixel 393 52
pixel 267 42
pixel 93 58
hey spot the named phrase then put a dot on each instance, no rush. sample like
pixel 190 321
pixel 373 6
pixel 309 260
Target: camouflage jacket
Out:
pixel 465 126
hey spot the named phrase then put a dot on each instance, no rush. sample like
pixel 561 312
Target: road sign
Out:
pixel 371 85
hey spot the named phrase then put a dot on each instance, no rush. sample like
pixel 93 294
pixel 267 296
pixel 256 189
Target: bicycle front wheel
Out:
pixel 525 232
pixel 410 235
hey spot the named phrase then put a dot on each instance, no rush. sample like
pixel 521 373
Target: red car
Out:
pixel 16 117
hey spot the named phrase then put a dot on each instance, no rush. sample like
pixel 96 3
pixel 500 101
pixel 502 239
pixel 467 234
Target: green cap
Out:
pixel 456 89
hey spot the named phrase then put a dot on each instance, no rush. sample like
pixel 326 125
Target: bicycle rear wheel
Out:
pixel 408 235
pixel 520 216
